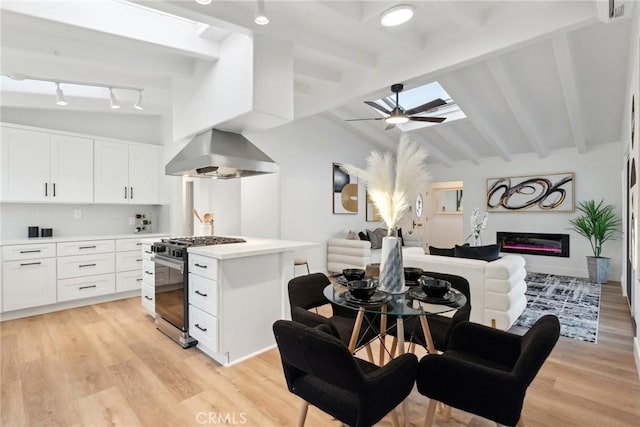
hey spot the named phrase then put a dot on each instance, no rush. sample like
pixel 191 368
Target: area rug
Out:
pixel 574 300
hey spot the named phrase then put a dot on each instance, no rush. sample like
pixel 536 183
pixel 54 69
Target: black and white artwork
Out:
pixel 534 193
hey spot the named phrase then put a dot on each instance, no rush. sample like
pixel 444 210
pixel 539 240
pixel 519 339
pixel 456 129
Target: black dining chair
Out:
pixel 319 369
pixel 487 371
pixel 440 326
pixel 306 292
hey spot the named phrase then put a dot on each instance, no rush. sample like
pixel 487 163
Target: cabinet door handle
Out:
pixel 125 192
pixel 198 265
pixel 33 251
pixel 30 263
pixel 87 247
pixel 148 252
pixel 148 297
pixel 148 272
pixel 87 287
pixel 201 328
pixel 54 189
pixel 201 294
pixel 138 260
pixel 131 193
pixel 138 244
pixel 46 189
pixel 138 280
pixel 86 265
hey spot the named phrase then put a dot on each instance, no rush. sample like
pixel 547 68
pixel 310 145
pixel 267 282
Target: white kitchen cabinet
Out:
pixel 85 265
pixel 126 173
pixel 44 167
pixel 28 283
pixel 85 287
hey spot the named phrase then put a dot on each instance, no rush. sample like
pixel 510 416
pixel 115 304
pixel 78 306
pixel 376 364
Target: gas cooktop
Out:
pixel 173 246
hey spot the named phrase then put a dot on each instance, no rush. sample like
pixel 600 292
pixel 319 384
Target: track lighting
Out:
pixel 138 104
pixel 261 14
pixel 60 96
pixel 113 101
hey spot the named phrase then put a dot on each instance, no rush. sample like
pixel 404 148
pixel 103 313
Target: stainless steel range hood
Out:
pixel 222 155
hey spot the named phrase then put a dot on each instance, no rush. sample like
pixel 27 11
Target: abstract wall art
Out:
pixel 535 193
pixel 372 211
pixel 345 191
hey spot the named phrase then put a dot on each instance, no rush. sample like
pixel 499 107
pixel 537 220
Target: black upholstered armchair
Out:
pixel 319 368
pixel 487 371
pixel 305 293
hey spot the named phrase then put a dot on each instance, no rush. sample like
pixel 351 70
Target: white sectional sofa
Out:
pixel 497 287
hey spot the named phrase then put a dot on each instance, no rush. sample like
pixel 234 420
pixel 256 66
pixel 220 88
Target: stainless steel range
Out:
pixel 172 283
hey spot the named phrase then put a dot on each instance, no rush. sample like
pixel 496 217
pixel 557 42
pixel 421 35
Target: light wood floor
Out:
pixel 107 365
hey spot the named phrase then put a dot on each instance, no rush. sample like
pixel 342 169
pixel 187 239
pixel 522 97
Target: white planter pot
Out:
pixel 598 269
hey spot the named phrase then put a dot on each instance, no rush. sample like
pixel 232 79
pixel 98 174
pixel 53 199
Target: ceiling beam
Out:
pixel 566 71
pixel 351 10
pixel 375 142
pixel 465 17
pixel 123 20
pixel 507 86
pixel 460 93
pixel 434 151
pixel 317 72
pixel 373 128
pixel 449 134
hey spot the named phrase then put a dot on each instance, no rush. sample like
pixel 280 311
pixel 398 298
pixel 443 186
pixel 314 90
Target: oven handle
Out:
pixel 168 263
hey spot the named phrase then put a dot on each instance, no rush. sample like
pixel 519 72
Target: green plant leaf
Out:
pixel 599 223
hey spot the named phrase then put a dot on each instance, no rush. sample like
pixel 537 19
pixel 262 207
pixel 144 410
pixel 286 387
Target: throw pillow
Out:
pixel 375 237
pixel 400 236
pixel 352 235
pixel 363 236
pixel 442 251
pixel 486 253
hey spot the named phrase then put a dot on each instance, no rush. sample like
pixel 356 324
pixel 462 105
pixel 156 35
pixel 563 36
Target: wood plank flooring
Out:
pixel 107 365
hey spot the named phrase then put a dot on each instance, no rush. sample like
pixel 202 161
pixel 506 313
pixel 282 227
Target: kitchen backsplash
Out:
pixel 15 218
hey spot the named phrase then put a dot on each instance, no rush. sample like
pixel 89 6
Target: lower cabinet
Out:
pixel 85 287
pixel 28 283
pixel 128 281
pixel 148 298
pixel 203 327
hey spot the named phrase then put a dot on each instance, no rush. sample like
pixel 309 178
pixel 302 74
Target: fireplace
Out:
pixel 547 244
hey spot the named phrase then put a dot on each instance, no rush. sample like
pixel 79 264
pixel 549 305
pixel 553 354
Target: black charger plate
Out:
pixel 452 297
pixel 378 298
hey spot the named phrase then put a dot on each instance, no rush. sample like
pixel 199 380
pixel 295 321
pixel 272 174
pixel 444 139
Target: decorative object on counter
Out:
pixel 197 215
pixel 46 232
pixel 536 193
pixel 393 188
pixel 477 227
pixel 34 231
pixel 143 223
pixel 345 191
pixel 208 219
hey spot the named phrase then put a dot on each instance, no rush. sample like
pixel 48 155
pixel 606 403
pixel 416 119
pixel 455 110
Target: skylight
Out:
pixel 417 96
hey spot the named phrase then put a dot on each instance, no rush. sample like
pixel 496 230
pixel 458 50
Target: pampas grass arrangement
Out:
pixel 393 186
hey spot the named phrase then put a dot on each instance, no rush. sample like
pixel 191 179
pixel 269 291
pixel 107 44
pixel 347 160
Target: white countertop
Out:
pixel 141 236
pixel 253 246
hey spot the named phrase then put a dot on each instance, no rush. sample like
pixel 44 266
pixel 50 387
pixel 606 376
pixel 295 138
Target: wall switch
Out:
pixel 77 214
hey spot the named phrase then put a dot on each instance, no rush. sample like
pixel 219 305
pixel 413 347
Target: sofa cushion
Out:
pixel 441 251
pixel 376 236
pixel 363 236
pixel 486 253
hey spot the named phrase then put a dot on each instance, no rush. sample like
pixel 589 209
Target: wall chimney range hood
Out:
pixel 222 155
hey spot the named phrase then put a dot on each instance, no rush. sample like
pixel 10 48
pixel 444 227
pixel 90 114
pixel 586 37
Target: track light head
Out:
pixel 138 104
pixel 261 14
pixel 113 101
pixel 60 100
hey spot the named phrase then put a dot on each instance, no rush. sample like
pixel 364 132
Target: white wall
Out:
pixel 444 230
pixel 304 151
pixel 597 176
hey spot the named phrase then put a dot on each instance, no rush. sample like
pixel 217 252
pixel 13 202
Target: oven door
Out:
pixel 170 291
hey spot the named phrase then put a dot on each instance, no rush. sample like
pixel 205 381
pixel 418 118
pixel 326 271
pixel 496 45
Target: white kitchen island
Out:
pixel 236 292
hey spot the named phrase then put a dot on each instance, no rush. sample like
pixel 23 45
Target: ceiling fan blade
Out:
pixel 357 120
pixel 377 107
pixel 428 119
pixel 389 126
pixel 426 107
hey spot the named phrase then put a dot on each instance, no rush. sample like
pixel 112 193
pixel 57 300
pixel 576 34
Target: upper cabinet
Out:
pixel 43 167
pixel 126 173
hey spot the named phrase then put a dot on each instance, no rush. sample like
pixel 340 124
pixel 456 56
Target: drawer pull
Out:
pixel 138 244
pixel 87 287
pixel 86 265
pixel 198 265
pixel 201 328
pixel 139 259
pixel 148 252
pixel 148 297
pixel 148 272
pixel 201 294
pixel 138 280
pixel 87 247
pixel 33 251
pixel 30 263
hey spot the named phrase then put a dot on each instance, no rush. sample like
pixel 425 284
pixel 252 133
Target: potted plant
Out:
pixel 598 223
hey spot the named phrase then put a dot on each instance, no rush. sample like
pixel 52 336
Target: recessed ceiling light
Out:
pixel 396 15
pixel 204 1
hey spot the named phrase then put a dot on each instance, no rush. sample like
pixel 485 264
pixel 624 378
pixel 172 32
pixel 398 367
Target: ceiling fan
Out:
pixel 398 115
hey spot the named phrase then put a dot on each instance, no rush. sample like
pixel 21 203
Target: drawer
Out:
pixel 148 298
pixel 204 328
pixel 31 251
pixel 203 266
pixel 203 293
pixel 123 245
pixel 146 251
pixel 86 247
pixel 128 280
pixel 127 261
pixel 149 272
pixel 85 287
pixel 85 265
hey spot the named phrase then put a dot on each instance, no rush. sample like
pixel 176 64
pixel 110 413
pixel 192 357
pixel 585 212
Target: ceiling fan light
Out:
pixel 396 15
pixel 261 14
pixel 138 104
pixel 60 100
pixel 113 101
pixel 396 120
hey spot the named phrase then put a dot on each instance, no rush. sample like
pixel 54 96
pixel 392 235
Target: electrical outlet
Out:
pixel 77 214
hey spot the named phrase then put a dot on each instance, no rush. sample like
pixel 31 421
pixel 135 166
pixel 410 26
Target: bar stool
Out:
pixel 301 261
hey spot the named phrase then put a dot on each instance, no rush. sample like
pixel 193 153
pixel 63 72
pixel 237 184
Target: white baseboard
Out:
pixel 636 354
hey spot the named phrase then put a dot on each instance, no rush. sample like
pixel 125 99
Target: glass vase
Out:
pixel 391 269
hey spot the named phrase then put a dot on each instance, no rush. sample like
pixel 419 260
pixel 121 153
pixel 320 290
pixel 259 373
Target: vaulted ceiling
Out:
pixel 531 76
